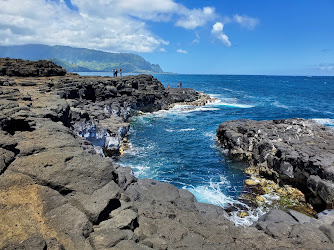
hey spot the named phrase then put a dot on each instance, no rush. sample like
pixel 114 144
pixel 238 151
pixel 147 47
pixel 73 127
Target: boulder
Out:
pixel 100 203
pixel 276 215
pixel 106 238
pixel 125 177
pixel 125 219
pixel 149 190
pixel 299 217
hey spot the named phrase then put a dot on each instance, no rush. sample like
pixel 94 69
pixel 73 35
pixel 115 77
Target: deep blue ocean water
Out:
pixel 179 146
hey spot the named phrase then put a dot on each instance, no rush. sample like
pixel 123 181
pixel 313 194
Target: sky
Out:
pixel 271 37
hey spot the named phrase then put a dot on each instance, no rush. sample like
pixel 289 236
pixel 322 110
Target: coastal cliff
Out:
pixel 58 190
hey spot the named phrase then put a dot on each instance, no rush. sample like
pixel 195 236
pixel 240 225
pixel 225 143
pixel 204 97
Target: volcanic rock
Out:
pixel 19 67
pixel 294 151
pixel 56 192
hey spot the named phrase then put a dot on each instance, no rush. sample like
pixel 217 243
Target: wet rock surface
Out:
pixel 294 151
pixel 56 192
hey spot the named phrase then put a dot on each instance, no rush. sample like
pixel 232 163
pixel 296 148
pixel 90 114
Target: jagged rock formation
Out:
pixel 294 151
pixel 19 67
pixel 56 192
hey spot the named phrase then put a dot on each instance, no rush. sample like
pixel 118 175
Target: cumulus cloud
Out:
pixel 217 31
pixel 181 51
pixel 245 21
pixel 192 19
pixel 109 25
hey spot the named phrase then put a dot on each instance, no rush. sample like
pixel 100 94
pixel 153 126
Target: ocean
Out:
pixel 179 146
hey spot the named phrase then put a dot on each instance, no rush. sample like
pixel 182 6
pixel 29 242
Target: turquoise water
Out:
pixel 179 146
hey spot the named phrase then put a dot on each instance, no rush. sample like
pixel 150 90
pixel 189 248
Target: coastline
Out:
pixel 56 191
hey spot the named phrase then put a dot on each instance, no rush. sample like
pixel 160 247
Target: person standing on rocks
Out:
pixel 180 84
pixel 120 72
pixel 115 74
pixel 168 86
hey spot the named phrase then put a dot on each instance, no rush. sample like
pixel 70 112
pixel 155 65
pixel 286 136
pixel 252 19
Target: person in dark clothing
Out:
pixel 120 71
pixel 115 74
pixel 180 84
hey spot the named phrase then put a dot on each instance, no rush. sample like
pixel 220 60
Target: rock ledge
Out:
pixel 294 151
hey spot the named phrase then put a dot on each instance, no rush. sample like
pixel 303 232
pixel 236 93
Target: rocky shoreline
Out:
pixel 297 152
pixel 57 191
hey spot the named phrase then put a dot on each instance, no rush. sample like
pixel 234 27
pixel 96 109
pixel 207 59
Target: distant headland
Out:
pixel 80 59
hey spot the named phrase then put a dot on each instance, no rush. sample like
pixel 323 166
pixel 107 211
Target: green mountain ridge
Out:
pixel 80 60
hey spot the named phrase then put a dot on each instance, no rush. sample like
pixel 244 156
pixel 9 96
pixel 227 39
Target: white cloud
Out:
pixel 192 19
pixel 197 39
pixel 217 31
pixel 326 67
pixel 181 51
pixel 245 21
pixel 110 25
pixel 95 25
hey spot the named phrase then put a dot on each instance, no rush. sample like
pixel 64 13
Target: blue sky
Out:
pixel 294 37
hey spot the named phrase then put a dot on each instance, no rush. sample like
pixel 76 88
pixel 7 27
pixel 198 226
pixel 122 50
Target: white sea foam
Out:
pixel 279 105
pixel 211 135
pixel 145 170
pixel 215 96
pixel 169 130
pixel 228 102
pixel 140 151
pixel 131 150
pixel 324 121
pixel 187 129
pixel 184 109
pixel 199 109
pixel 234 105
pixel 253 215
pixel 181 130
pixel 212 193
